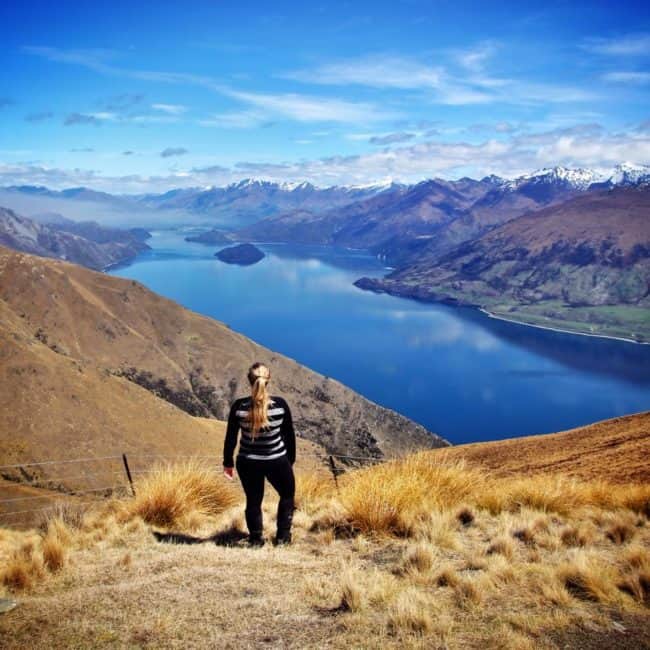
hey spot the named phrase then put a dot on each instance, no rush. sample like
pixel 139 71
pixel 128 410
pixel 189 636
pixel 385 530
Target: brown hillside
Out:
pixel 71 333
pixel 615 450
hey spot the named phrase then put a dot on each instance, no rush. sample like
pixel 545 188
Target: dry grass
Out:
pixel 419 558
pixel 393 498
pixel 442 557
pixel 24 567
pixel 411 612
pixel 314 490
pixel 172 492
pixel 399 497
pixel 588 579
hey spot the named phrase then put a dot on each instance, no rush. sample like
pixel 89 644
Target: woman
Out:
pixel 267 449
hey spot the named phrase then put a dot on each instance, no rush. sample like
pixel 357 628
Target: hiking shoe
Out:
pixel 256 541
pixel 282 540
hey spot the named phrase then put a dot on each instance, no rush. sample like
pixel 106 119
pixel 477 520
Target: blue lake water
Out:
pixel 458 372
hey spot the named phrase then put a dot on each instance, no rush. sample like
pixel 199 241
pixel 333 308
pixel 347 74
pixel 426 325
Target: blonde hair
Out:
pixel 259 376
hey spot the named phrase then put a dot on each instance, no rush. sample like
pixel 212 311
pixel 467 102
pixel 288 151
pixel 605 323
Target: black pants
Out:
pixel 280 475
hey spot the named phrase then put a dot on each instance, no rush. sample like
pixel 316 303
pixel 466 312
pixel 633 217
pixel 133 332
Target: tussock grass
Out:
pixel 394 497
pixel 313 491
pixel 53 548
pixel 353 598
pixel 24 567
pixel 635 573
pixel 411 612
pixel 581 534
pixel 447 577
pixel 419 557
pixel 587 579
pixel 502 546
pixel 620 527
pixel 175 491
pixel 561 495
pixel 467 594
pixel 400 497
pixel 406 554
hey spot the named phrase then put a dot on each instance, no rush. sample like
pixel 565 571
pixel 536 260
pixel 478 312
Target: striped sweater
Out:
pixel 274 441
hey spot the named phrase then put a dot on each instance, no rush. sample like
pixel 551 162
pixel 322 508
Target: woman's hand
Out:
pixel 229 473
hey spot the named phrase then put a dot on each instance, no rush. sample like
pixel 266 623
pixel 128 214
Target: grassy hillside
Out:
pixel 427 551
pixel 614 450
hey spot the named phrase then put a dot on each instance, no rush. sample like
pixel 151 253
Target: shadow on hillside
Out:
pixel 230 537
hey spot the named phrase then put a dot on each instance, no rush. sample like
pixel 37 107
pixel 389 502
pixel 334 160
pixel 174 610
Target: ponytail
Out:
pixel 259 376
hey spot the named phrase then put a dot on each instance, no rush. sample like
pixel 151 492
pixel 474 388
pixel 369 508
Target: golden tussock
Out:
pixel 172 492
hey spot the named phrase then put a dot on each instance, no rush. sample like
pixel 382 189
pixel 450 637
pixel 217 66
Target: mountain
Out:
pixel 87 243
pixel 135 339
pixel 50 218
pixel 250 200
pixel 75 193
pixel 210 237
pixel 55 405
pixel 99 234
pixel 403 221
pixel 629 174
pixel 581 265
pixel 398 214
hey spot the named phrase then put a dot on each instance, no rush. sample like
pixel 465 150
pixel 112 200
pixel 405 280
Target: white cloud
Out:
pixel 234 120
pixel 306 108
pixel 378 71
pixel 474 58
pixel 583 145
pixel 466 84
pixel 170 109
pixel 628 77
pixel 628 45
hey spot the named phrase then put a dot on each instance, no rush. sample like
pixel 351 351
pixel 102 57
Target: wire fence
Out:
pixel 116 473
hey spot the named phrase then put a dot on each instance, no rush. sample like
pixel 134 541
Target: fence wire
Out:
pixel 41 482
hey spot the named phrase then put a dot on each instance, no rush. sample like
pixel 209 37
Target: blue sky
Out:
pixel 144 98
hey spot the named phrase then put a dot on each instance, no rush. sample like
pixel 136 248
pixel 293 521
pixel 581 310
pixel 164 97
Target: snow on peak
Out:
pixel 293 186
pixel 579 178
pixel 630 174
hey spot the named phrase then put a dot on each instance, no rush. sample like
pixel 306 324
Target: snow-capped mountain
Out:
pixel 630 174
pixel 579 179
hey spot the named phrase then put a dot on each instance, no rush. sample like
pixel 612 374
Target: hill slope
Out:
pixel 615 450
pixel 123 331
pixel 85 243
pixel 583 264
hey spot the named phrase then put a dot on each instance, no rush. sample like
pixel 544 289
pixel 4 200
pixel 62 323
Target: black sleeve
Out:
pixel 288 434
pixel 231 437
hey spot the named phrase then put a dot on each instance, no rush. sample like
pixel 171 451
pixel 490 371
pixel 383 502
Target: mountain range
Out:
pixel 397 222
pixel 422 230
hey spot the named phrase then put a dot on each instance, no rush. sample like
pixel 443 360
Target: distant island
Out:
pixel 213 236
pixel 242 254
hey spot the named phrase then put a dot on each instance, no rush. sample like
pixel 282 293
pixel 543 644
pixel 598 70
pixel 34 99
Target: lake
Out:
pixel 458 372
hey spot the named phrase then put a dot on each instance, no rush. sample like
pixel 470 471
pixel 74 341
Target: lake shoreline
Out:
pixel 559 329
pixel 376 285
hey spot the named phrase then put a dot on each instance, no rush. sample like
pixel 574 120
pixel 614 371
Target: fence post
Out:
pixel 334 472
pixel 128 472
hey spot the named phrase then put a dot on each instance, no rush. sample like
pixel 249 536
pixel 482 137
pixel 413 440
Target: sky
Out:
pixel 135 97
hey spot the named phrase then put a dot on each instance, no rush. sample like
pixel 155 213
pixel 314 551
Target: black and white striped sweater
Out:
pixel 274 441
